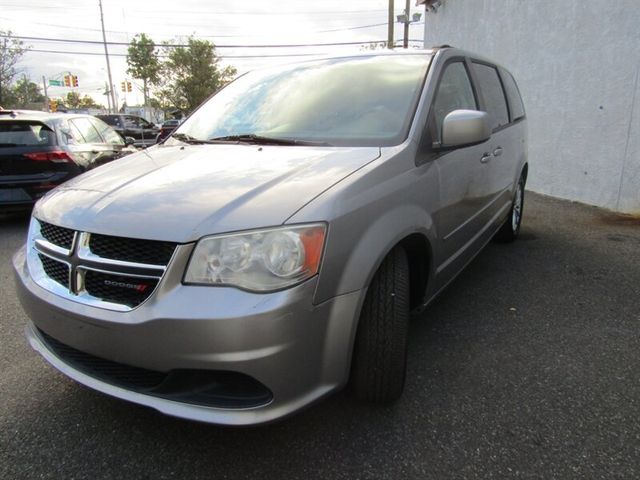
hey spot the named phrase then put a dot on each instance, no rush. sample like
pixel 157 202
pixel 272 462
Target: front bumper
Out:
pixel 298 350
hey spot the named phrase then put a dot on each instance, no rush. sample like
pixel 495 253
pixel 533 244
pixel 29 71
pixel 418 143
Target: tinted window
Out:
pixel 515 100
pixel 454 93
pixel 493 94
pixel 113 120
pixel 16 134
pixel 353 101
pixel 106 132
pixel 136 122
pixel 86 129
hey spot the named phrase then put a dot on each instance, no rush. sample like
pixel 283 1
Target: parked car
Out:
pixel 167 129
pixel 39 151
pixel 270 251
pixel 143 132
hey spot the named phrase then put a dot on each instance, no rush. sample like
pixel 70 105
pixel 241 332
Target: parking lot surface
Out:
pixel 528 366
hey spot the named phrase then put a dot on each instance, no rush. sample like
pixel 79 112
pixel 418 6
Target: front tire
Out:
pixel 380 351
pixel 511 227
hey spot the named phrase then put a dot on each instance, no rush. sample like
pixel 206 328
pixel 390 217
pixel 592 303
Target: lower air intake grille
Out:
pixel 124 290
pixel 55 270
pixel 112 372
pixel 210 388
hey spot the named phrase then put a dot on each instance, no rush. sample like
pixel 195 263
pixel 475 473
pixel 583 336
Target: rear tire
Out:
pixel 511 227
pixel 380 351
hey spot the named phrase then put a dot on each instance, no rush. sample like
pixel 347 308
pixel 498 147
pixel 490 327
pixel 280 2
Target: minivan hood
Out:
pixel 180 194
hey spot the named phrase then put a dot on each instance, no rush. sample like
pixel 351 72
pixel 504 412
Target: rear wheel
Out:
pixel 380 351
pixel 511 227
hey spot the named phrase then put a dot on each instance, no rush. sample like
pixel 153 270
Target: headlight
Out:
pixel 258 260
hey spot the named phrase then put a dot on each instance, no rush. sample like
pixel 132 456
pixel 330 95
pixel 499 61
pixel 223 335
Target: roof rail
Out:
pixel 8 112
pixel 438 47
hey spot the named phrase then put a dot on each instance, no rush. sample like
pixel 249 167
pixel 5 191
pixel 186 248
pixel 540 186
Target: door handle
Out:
pixel 497 152
pixel 485 157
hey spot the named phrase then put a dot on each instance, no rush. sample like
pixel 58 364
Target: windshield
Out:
pixel 355 101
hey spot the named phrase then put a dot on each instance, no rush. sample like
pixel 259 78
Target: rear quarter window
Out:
pixel 23 134
pixel 513 95
pixel 493 94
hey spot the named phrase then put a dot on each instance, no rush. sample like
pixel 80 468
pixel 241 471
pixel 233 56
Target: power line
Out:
pixel 165 56
pixel 207 12
pixel 68 27
pixel 182 45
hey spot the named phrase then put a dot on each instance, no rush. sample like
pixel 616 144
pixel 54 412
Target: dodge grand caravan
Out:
pixel 271 250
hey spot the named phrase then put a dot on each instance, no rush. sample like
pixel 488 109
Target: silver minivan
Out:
pixel 271 250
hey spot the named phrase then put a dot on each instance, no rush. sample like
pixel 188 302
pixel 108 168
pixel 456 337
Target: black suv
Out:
pixel 138 128
pixel 39 151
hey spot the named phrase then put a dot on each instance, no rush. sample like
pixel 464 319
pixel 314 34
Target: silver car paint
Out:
pixel 298 341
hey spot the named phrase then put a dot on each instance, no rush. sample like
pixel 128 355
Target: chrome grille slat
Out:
pixel 81 275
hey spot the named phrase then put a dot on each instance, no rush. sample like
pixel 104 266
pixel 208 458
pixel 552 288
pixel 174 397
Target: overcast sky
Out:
pixel 250 22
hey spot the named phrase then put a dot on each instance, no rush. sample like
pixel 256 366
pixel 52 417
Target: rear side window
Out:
pixel 25 134
pixel 106 132
pixel 493 95
pixel 88 132
pixel 513 95
pixel 110 120
pixel 454 93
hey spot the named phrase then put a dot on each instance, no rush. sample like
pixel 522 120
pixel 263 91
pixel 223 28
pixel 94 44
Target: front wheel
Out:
pixel 380 351
pixel 511 227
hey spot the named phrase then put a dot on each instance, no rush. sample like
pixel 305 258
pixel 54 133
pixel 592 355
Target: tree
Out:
pixel 73 100
pixel 374 46
pixel 191 74
pixel 11 51
pixel 25 93
pixel 142 59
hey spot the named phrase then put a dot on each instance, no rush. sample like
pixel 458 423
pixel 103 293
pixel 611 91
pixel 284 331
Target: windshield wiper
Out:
pixel 183 137
pixel 262 140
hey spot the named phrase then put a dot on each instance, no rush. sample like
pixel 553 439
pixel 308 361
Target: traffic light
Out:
pixel 123 86
pixel 67 80
pixel 128 86
pixel 75 80
pixel 53 105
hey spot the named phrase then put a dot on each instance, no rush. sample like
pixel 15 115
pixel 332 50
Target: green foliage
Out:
pixel 75 101
pixel 143 62
pixel 26 93
pixel 11 51
pixel 191 74
pixel 374 46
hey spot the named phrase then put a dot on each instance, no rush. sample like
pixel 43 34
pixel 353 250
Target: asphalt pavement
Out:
pixel 528 366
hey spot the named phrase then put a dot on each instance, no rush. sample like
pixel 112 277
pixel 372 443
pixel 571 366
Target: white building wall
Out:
pixel 577 64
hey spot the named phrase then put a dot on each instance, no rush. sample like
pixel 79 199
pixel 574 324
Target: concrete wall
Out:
pixel 577 63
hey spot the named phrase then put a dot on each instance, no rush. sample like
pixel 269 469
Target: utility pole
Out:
pixel 107 92
pixel 46 96
pixel 106 54
pixel 405 43
pixel 390 40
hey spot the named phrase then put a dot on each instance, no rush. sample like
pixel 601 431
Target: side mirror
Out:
pixel 129 141
pixel 465 127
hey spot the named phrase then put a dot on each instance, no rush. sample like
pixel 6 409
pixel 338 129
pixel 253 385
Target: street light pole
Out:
pixel 390 40
pixel 405 43
pixel 106 54
pixel 46 94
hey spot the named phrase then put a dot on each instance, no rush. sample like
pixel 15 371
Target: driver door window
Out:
pixel 454 93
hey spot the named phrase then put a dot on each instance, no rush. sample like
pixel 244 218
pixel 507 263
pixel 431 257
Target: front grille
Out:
pixel 121 289
pixel 132 249
pixel 60 236
pixel 119 271
pixel 221 389
pixel 55 270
